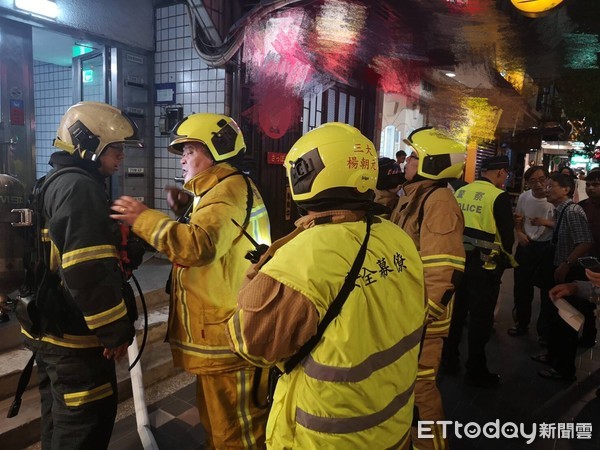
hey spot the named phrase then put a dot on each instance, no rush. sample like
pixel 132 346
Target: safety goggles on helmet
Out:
pixel 332 161
pixel 439 155
pixel 88 128
pixel 219 133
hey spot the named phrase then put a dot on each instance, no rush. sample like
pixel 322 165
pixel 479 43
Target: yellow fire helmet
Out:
pixel 440 156
pixel 333 161
pixel 221 135
pixel 87 128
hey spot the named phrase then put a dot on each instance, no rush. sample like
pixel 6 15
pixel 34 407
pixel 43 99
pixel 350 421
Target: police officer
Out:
pixel 355 389
pixel 84 320
pixel 488 240
pixel 430 215
pixel 208 253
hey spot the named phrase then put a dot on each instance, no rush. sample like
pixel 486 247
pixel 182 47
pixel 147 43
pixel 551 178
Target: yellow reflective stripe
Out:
pixel 258 212
pixel 181 296
pixel 45 235
pixel 460 267
pixel 425 373
pixel 457 262
pixel 437 330
pixel 106 317
pixel 439 443
pixel 54 263
pixel 435 310
pixel 67 340
pixel 457 259
pixel 438 333
pixel 205 351
pixel 160 228
pixel 430 377
pixel 83 397
pixel 440 323
pixel 244 388
pixel 88 254
pixel 259 234
pixel 239 345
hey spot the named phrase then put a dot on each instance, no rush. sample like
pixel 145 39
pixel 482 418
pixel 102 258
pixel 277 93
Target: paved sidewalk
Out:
pixel 522 397
pixel 174 419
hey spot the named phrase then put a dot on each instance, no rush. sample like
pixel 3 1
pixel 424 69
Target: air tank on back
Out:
pixel 12 196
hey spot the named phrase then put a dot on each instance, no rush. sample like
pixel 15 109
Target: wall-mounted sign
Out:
pixel 135 112
pixel 165 93
pixel 87 76
pixel 275 158
pixel 134 58
pixel 135 172
pixel 17 112
pixel 80 49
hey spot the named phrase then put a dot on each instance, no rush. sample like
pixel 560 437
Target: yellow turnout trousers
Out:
pixel 227 411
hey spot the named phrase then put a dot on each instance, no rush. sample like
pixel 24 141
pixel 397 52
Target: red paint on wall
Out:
pixel 397 75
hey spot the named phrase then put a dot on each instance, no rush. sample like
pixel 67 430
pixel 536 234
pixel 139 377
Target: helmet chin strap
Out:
pixel 63 146
pixel 86 154
pixel 83 154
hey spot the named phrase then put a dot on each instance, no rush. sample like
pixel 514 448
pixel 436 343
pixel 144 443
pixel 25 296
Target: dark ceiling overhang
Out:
pixel 434 35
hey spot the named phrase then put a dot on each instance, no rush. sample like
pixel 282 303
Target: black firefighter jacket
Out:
pixel 90 311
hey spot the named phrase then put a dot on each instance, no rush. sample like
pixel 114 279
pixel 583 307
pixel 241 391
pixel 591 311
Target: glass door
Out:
pixel 91 77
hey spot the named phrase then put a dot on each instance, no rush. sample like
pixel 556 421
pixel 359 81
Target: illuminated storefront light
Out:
pixel 45 8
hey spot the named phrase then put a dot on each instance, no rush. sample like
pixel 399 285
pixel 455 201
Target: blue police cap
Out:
pixel 495 163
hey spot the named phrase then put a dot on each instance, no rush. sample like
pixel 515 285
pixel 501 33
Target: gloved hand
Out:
pixel 177 199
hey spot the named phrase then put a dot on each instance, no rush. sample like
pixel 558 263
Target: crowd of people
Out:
pixel 345 322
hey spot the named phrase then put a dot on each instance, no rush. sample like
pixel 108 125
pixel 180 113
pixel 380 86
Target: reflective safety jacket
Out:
pixel 355 390
pixel 430 215
pixel 90 311
pixel 208 265
pixel 476 200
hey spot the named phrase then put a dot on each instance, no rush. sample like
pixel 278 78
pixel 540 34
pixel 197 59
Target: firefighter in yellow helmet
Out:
pixel 354 388
pixel 84 324
pixel 208 253
pixel 430 215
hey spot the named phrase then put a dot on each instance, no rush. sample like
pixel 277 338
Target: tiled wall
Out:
pixel 199 88
pixel 53 94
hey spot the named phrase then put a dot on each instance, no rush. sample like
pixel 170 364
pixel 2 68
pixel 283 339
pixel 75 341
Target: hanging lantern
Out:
pixel 535 8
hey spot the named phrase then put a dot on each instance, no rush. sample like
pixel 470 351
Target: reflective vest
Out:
pixel 476 200
pixel 355 390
